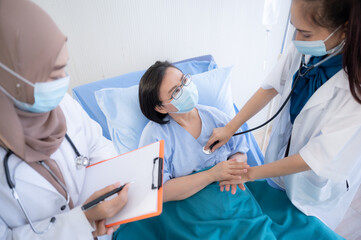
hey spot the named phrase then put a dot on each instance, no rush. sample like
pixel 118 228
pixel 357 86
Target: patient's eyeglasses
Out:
pixel 186 80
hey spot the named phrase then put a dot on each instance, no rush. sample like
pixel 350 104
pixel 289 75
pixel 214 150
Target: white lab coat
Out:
pixel 327 135
pixel 39 197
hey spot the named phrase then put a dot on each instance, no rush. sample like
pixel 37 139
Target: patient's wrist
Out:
pixel 210 175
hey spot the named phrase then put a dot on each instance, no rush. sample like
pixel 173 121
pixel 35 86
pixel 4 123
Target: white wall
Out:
pixel 112 37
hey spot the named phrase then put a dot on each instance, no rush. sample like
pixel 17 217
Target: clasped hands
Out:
pixel 239 176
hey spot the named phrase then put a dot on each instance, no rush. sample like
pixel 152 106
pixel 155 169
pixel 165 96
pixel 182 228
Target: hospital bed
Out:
pixel 84 94
pixel 284 221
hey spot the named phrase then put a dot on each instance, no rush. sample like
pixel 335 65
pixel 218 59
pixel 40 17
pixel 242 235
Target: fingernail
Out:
pixel 117 184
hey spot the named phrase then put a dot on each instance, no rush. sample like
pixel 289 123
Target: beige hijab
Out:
pixel 30 43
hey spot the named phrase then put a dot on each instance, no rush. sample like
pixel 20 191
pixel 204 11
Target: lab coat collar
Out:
pixel 326 91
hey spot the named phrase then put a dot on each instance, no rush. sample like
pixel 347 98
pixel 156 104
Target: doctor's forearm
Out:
pixel 257 102
pixel 184 187
pixel 282 167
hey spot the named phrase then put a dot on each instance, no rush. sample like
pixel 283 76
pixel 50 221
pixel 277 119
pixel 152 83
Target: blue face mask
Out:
pixel 47 95
pixel 188 100
pixel 314 48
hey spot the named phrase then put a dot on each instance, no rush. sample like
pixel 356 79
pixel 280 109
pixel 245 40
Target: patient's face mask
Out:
pixel 47 95
pixel 314 48
pixel 186 98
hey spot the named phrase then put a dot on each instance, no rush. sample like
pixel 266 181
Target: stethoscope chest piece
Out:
pixel 81 161
pixel 207 151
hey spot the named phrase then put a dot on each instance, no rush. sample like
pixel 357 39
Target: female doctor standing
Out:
pixel 314 152
pixel 40 140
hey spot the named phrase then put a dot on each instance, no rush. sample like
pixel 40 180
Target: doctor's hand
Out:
pixel 239 157
pixel 106 209
pixel 244 177
pixel 101 229
pixel 221 136
pixel 229 170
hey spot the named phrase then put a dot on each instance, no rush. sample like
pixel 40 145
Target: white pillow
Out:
pixel 126 121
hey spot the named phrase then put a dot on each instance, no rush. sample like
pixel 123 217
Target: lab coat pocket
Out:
pixel 316 187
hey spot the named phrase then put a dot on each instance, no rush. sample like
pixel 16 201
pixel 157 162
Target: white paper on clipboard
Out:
pixel 140 166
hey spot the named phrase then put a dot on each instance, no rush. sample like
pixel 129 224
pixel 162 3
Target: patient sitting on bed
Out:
pixel 169 99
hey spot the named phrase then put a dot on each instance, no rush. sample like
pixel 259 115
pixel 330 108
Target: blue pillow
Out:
pixel 84 94
pixel 214 89
pixel 195 67
pixel 124 118
pixel 126 121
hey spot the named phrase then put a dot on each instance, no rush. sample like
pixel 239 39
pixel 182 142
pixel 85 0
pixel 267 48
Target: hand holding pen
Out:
pixel 106 209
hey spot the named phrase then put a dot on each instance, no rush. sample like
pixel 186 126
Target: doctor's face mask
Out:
pixel 319 31
pixel 314 48
pixel 47 95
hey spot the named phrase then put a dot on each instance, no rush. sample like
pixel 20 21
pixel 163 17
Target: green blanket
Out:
pixel 260 212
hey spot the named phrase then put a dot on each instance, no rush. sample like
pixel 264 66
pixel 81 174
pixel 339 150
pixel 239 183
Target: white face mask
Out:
pixel 314 48
pixel 47 95
pixel 187 101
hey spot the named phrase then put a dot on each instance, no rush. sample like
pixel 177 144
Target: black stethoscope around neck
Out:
pixel 80 161
pixel 303 65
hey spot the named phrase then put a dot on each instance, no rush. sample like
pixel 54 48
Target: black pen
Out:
pixel 103 197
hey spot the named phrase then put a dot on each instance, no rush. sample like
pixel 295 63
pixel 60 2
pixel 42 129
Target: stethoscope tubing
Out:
pixel 16 195
pixel 299 74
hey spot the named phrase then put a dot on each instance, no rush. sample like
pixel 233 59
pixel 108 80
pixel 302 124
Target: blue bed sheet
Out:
pixel 260 212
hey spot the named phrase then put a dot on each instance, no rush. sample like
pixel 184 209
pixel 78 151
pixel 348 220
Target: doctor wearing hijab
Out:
pixel 43 131
pixel 314 152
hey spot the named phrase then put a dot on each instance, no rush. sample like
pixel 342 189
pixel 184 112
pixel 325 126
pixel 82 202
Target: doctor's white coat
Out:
pixel 327 135
pixel 39 197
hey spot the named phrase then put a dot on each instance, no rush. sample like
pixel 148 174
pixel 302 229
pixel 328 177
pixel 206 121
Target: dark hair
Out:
pixel 333 13
pixel 149 86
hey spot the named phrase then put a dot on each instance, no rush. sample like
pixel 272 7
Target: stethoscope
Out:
pixel 80 161
pixel 303 65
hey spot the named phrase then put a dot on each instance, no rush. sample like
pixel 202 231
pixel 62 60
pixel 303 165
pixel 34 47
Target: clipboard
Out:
pixel 144 166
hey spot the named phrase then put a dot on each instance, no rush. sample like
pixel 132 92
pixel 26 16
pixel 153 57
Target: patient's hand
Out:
pixel 239 157
pixel 244 177
pixel 230 170
pixel 232 187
